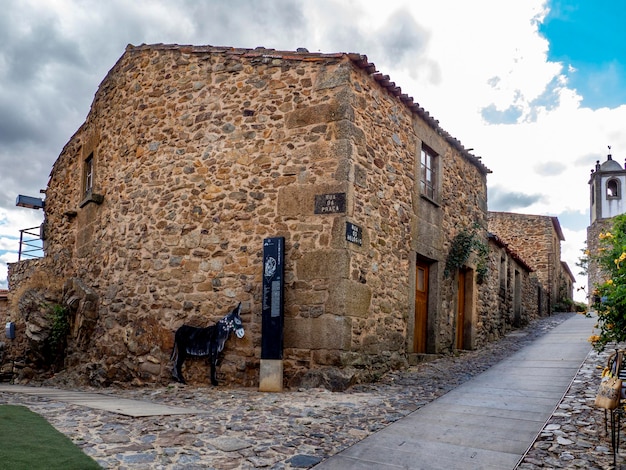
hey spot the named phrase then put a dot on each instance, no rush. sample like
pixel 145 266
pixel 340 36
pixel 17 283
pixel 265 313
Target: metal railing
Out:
pixel 31 243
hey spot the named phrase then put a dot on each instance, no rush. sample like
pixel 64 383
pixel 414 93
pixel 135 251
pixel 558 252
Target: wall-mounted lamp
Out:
pixel 29 202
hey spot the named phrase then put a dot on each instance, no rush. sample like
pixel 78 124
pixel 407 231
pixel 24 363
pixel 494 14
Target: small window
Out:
pixel 421 279
pixel 503 273
pixel 88 175
pixel 593 194
pixel 428 173
pixel 612 188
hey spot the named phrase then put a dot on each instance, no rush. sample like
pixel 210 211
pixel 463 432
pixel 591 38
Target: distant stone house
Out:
pixel 4 310
pixel 4 303
pixel 537 239
pixel 567 282
pixel 511 297
pixel 157 208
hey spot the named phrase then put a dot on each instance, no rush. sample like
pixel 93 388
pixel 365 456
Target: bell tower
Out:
pixel 607 199
pixel 607 185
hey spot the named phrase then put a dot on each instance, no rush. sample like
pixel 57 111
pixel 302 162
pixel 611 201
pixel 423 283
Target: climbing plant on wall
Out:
pixel 466 242
pixel 59 329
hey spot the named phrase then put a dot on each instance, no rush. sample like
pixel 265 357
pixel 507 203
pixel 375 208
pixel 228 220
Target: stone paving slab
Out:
pixel 442 434
pixel 552 394
pixel 464 420
pixel 439 457
pixel 451 433
pixel 100 401
pixel 488 413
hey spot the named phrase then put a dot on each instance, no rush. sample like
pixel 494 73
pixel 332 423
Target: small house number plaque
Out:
pixel 330 203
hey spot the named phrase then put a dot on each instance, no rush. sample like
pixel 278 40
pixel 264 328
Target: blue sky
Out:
pixel 590 36
pixel 535 87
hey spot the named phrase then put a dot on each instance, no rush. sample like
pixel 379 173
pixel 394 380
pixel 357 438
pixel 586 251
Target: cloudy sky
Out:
pixel 536 87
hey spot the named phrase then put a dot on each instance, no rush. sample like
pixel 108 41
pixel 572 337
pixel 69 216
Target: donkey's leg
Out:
pixel 178 368
pixel 174 358
pixel 213 359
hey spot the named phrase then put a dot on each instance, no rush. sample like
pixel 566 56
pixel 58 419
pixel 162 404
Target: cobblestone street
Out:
pixel 296 429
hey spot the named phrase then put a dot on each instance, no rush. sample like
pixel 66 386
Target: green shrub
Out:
pixel 609 298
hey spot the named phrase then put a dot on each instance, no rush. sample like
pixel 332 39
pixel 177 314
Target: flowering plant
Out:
pixel 609 297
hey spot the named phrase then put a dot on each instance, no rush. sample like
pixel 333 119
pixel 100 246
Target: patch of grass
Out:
pixel 29 442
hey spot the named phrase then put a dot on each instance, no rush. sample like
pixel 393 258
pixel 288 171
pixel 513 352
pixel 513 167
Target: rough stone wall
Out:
pixel 566 284
pixel 402 224
pixel 498 307
pixel 463 206
pixel 531 306
pixel 4 317
pixel 4 303
pixel 594 273
pixel 32 294
pixel 198 157
pixel 496 299
pixel 201 153
pixel 535 239
pixel 372 295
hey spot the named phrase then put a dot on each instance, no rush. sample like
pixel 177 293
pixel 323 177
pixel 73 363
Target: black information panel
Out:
pixel 273 302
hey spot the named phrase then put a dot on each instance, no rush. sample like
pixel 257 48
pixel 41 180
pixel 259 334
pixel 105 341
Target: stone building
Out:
pixel 4 303
pixel 4 314
pixel 537 239
pixel 511 297
pixel 568 281
pixel 606 200
pixel 157 208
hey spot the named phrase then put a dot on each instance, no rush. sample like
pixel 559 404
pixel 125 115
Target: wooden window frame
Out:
pixel 88 175
pixel 428 173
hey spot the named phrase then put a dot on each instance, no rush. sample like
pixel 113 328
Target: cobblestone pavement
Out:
pixel 248 429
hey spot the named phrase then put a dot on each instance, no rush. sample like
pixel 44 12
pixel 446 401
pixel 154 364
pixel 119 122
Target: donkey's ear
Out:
pixel 238 308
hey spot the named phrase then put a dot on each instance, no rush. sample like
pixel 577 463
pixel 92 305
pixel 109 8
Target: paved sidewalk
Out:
pixel 487 423
pixel 102 402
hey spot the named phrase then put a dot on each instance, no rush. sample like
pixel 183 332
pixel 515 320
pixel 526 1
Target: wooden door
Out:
pixel 421 308
pixel 460 312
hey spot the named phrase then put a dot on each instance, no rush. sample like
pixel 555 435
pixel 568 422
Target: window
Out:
pixel 502 274
pixel 88 175
pixel 593 194
pixel 88 183
pixel 612 188
pixel 428 173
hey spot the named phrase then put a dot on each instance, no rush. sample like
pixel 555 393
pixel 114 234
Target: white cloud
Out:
pixel 5 257
pixel 472 65
pixel 571 253
pixel 11 222
pixel 16 219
